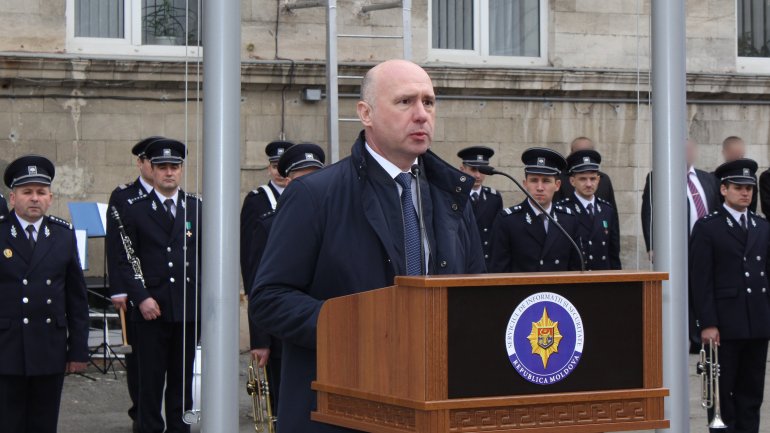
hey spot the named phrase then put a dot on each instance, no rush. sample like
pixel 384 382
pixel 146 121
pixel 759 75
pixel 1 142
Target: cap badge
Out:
pixel 479 157
pixel 310 156
pixel 166 152
pixel 746 172
pixel 586 160
pixel 541 162
pixel 32 170
pixel 280 151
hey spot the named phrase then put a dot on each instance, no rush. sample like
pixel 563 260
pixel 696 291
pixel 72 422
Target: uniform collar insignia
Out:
pixel 529 219
pixel 753 223
pixel 154 206
pixel 729 222
pixel 182 201
pixel 46 231
pixel 598 207
pixel 13 231
pixel 577 208
pixel 556 217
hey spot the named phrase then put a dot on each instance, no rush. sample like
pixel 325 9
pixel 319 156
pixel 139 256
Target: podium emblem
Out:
pixel 545 338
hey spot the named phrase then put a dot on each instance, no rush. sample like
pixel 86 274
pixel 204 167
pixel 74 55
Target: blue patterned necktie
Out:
pixel 411 226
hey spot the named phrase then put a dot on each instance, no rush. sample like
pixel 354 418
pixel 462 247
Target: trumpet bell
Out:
pixel 717 423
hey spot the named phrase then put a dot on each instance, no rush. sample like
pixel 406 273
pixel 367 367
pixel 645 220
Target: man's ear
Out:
pixel 364 112
pixel 558 183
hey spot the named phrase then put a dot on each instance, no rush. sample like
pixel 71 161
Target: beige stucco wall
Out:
pixel 581 33
pixel 87 126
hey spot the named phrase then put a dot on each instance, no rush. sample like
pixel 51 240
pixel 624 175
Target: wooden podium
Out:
pixel 429 355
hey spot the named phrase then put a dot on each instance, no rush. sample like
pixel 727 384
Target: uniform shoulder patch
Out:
pixel 138 198
pixel 511 210
pixel 59 221
pixel 563 209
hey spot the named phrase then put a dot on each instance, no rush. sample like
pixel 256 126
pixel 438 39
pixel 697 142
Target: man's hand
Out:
pixel 150 309
pixel 261 356
pixel 76 367
pixel 120 302
pixel 710 333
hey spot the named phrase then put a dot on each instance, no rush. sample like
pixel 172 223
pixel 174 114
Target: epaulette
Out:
pixel 491 190
pixel 255 192
pixel 194 196
pixel 710 216
pixel 138 198
pixel 267 214
pixel 123 186
pixel 3 218
pixel 603 201
pixel 563 209
pixel 59 221
pixel 511 210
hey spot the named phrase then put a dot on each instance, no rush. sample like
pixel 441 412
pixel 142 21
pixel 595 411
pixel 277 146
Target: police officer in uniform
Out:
pixel 257 203
pixel 486 202
pixel 597 228
pixel 299 160
pixel 523 239
pixel 43 303
pixel 119 199
pixel 729 285
pixel 164 228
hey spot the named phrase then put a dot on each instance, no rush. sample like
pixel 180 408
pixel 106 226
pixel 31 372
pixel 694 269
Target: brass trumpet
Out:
pixel 258 387
pixel 708 369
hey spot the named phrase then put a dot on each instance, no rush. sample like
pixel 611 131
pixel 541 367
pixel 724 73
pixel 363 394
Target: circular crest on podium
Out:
pixel 545 338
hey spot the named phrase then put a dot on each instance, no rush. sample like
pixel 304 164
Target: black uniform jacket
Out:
pixel 170 275
pixel 599 236
pixel 43 301
pixel 119 199
pixel 485 209
pixel 728 275
pixel 521 244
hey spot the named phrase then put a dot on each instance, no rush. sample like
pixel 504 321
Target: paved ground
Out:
pixel 100 405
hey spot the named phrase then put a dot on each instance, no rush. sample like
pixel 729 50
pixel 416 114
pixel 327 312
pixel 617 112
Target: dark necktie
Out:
pixel 544 218
pixel 743 223
pixel 411 226
pixel 474 197
pixel 169 203
pixel 590 209
pixel 31 236
pixel 700 208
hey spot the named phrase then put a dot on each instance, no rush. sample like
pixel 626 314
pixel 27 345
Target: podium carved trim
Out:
pixel 372 412
pixel 554 415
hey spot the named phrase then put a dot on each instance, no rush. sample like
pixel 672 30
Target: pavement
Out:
pixel 99 403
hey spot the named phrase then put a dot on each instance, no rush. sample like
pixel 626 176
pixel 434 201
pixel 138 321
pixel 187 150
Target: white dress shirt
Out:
pixel 737 215
pixel 537 213
pixel 147 187
pixel 585 202
pixel 163 198
pixel 693 211
pixel 24 223
pixel 393 172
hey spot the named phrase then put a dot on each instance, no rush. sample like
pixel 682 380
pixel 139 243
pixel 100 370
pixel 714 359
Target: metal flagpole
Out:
pixel 669 133
pixel 221 191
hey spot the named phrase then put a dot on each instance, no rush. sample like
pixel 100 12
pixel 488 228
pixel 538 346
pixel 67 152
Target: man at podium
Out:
pixel 354 226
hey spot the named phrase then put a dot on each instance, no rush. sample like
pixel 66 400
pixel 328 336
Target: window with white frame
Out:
pixel 753 35
pixel 489 31
pixel 149 27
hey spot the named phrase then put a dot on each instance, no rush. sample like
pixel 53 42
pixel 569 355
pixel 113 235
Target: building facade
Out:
pixel 82 80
